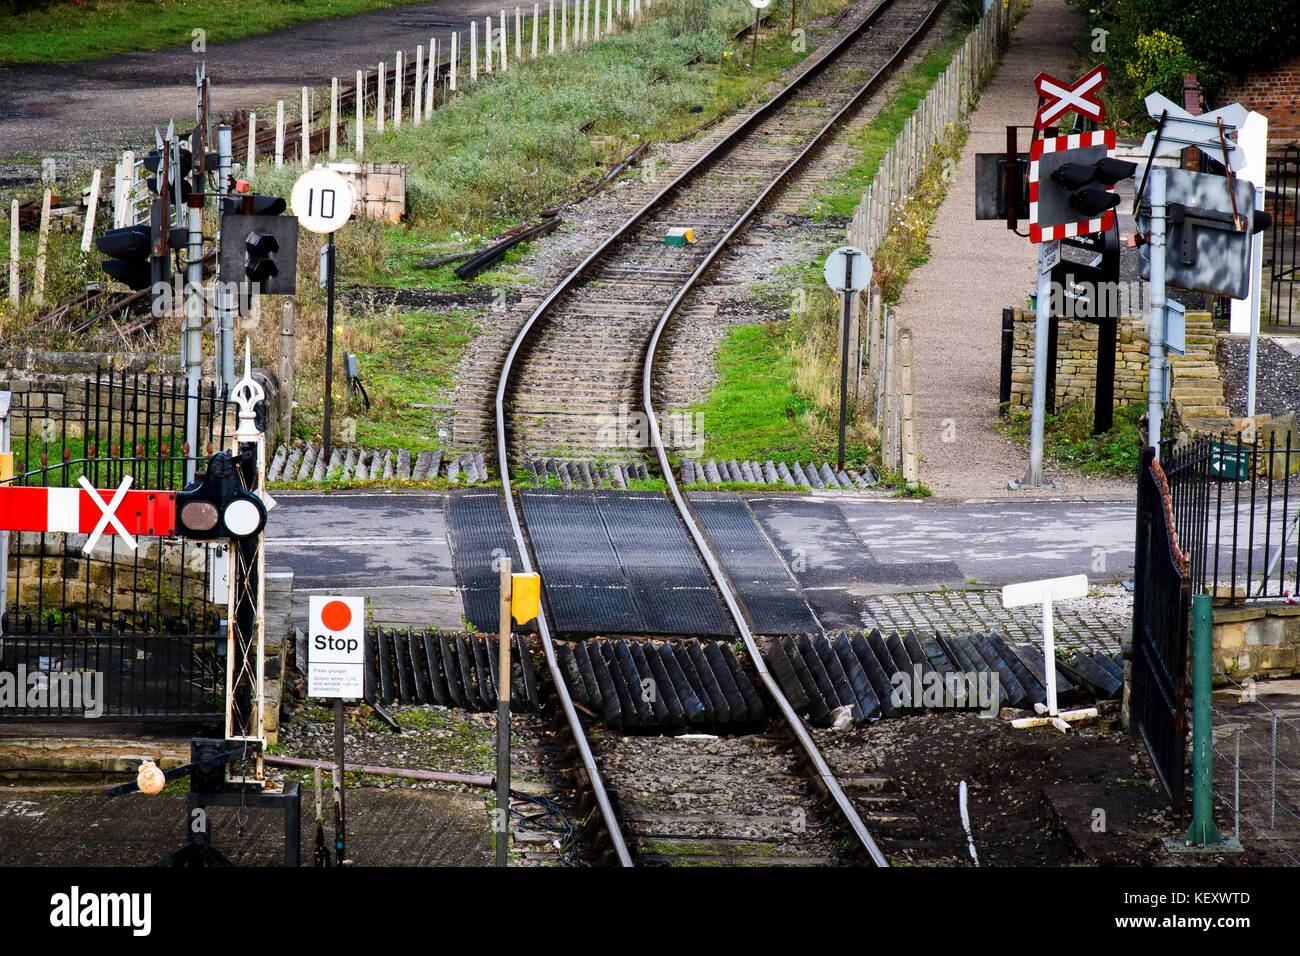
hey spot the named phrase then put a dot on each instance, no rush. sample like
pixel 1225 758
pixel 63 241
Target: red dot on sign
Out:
pixel 336 616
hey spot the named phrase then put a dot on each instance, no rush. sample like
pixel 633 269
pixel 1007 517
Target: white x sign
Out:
pixel 108 514
pixel 1182 129
pixel 1060 97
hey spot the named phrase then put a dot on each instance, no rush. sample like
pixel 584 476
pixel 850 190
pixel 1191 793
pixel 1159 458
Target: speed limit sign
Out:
pixel 322 200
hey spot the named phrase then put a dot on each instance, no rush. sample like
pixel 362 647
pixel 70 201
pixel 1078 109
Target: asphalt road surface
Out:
pixel 98 107
pixel 393 547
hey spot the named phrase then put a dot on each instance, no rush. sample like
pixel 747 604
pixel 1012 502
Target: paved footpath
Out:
pixel 954 302
pixel 97 107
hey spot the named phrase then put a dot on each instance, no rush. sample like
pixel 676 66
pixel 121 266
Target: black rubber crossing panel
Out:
pixel 594 692
pixel 480 535
pixel 586 586
pixel 876 673
pixel 687 666
pixel 670 587
pixel 1095 677
pixel 647 656
pixel 1013 693
pixel 818 706
pixel 869 703
pixel 1034 691
pixel 782 669
pixel 448 669
pixel 692 706
pixel 767 588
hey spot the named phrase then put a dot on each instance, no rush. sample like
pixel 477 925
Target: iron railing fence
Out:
pixel 1236 507
pixel 1281 268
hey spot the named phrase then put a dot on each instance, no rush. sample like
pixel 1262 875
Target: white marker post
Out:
pixel 1244 314
pixel 1046 592
pixel 379 106
pixel 250 167
pixel 279 134
pixel 361 112
pixel 92 207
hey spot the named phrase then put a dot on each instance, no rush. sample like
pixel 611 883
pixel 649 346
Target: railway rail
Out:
pixel 591 344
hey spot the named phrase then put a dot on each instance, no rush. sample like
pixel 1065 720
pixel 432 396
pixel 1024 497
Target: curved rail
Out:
pixel 689 518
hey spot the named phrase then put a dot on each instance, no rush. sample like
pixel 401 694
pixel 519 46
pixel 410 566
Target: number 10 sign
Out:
pixel 322 200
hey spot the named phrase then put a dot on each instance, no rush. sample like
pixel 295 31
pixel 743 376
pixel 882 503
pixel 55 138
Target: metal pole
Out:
pixel 340 828
pixel 753 53
pixel 193 333
pixel 226 307
pixel 503 720
pixel 1202 832
pixel 844 348
pixel 1042 330
pixel 1236 788
pixel 1272 788
pixel 1156 313
pixel 329 344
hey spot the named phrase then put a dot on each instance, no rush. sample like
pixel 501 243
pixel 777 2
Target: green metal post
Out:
pixel 1202 832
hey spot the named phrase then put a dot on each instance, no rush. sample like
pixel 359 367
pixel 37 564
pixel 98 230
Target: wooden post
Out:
pixel 284 370
pixel 397 90
pixel 42 245
pixel 13 254
pixel 92 207
pixel 417 97
pixel 361 113
pixel 537 9
pixel 279 134
pixel 304 147
pixel 503 718
pixel 334 118
pixel 250 167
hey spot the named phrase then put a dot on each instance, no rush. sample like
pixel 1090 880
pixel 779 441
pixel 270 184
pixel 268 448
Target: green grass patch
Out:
pixel 408 362
pixel 755 410
pixel 1068 439
pixel 87 29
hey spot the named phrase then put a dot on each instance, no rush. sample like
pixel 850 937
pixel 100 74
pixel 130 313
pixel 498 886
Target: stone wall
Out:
pixel 1257 641
pixel 1076 352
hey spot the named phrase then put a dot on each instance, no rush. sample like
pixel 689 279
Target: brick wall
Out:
pixel 1076 351
pixel 1275 92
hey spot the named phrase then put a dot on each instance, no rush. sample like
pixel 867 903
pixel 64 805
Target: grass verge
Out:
pixel 1068 439
pixel 60 32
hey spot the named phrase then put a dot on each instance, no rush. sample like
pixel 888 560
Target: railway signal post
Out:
pixel 322 200
pixel 847 271
pixel 520 601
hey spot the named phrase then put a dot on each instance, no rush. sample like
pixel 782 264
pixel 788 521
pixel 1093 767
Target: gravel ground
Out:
pixel 1277 384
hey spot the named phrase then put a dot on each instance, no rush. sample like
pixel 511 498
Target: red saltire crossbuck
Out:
pixel 1060 97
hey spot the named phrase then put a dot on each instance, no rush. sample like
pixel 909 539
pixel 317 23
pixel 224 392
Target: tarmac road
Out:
pixel 99 107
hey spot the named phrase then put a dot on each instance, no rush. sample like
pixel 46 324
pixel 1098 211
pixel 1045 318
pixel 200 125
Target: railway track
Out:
pixel 588 352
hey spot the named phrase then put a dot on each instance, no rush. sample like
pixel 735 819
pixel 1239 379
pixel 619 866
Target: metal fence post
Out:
pixel 1202 832
pixel 1272 787
pixel 1236 787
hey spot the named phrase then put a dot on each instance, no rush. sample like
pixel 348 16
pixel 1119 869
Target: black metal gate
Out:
pixel 1162 602
pixel 1282 267
pixel 117 634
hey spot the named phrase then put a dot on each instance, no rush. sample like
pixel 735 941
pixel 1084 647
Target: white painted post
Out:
pixel 505 63
pixel 13 253
pixel 609 17
pixel 304 149
pixel 92 207
pixel 250 166
pixel 334 117
pixel 431 77
pixel 279 134
pixel 417 98
pixel 550 28
pixel 42 246
pixel 397 90
pixel 537 9
pixel 1044 593
pixel 117 195
pixel 455 55
pixel 595 25
pixel 564 24
pixel 382 80
pixel 473 51
pixel 519 34
pixel 361 113
pixel 1244 313
pixel 586 20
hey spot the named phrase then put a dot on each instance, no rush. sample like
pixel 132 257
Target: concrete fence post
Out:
pixel 519 34
pixel 537 9
pixel 284 369
pixel 279 134
pixel 250 164
pixel 13 254
pixel 550 28
pixel 42 247
pixel 564 24
pixel 304 148
pixel 397 89
pixel 907 433
pixel 487 45
pixel 455 57
pixel 92 207
pixel 505 60
pixel 361 113
pixel 417 95
pixel 334 117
